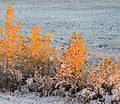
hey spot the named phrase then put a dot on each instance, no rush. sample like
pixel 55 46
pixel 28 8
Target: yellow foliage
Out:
pixel 10 38
pixel 39 46
pixel 16 48
pixel 37 52
pixel 75 58
pixel 107 73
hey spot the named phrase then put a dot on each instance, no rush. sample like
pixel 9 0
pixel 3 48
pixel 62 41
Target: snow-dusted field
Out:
pixel 97 20
pixel 31 98
pixel 27 99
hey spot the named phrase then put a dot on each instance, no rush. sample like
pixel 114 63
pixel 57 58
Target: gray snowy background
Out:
pixel 97 20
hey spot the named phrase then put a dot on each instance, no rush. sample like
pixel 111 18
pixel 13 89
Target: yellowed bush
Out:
pixel 35 56
pixel 105 75
pixel 11 43
pixel 29 52
pixel 74 59
pixel 39 45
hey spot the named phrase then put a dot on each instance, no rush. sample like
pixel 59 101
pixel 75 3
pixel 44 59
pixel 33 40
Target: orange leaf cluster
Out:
pixel 10 41
pixel 16 48
pixel 106 73
pixel 39 45
pixel 75 58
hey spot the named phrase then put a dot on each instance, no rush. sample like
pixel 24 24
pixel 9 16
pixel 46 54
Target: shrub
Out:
pixel 105 75
pixel 38 52
pixel 25 54
pixel 11 43
pixel 74 62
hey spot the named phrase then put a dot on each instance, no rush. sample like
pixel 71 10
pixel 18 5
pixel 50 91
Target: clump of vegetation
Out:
pixel 105 75
pixel 11 43
pixel 25 54
pixel 74 63
pixel 33 62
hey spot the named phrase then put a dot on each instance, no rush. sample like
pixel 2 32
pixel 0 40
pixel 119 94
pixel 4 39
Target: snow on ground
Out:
pixel 97 20
pixel 34 98
pixel 30 98
pixel 27 99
